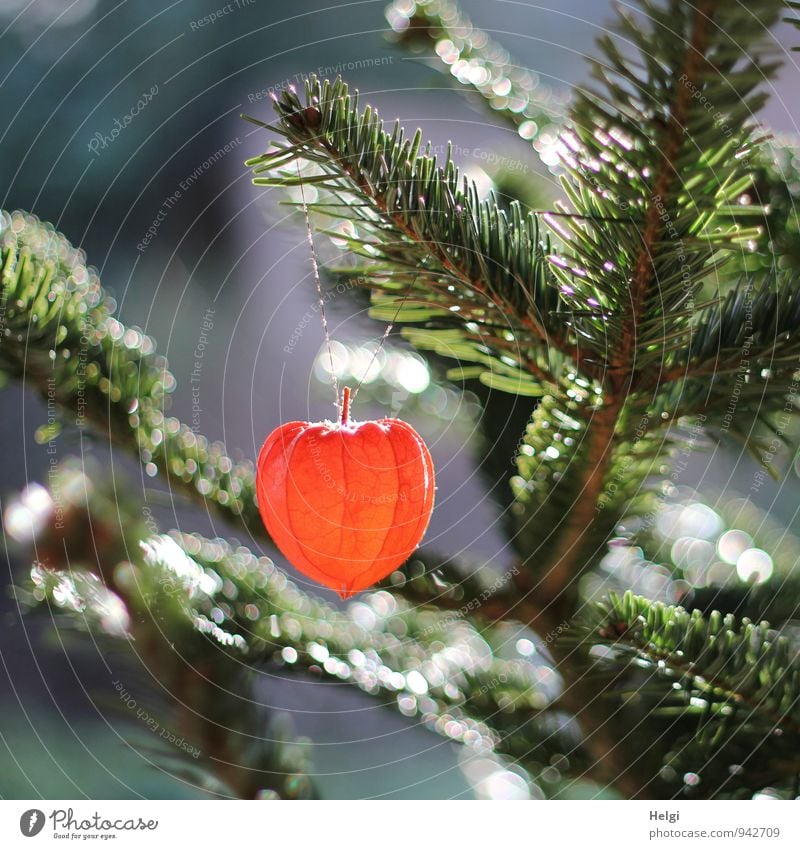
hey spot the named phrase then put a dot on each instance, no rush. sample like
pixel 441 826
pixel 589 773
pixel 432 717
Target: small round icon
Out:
pixel 31 822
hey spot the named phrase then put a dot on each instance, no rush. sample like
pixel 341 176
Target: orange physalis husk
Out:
pixel 345 502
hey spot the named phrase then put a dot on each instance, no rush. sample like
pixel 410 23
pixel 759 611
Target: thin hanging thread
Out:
pixel 318 284
pixel 385 336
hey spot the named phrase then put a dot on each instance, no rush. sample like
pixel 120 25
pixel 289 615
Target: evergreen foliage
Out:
pixel 652 310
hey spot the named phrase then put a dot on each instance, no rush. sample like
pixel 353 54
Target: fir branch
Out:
pixel 650 223
pixel 737 363
pixel 772 204
pixel 737 664
pixel 556 452
pixel 479 63
pixel 555 460
pixel 664 186
pixel 98 562
pixel 739 679
pixel 776 600
pixel 424 228
pixel 794 20
pixel 196 594
pixel 607 330
pixel 498 700
pixel 754 328
pixel 62 340
pixel 649 128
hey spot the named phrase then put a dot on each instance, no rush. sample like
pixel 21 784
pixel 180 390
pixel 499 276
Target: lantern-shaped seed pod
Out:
pixel 346 502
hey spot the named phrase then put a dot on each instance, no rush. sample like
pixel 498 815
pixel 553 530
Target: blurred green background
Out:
pixel 121 126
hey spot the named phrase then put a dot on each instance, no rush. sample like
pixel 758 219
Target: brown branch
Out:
pixel 569 557
pixel 566 556
pixel 622 372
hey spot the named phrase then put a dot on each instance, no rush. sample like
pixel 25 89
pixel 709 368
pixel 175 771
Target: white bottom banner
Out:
pixel 401 824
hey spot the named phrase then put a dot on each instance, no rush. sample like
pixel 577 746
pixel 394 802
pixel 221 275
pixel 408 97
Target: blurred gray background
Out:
pixel 76 149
